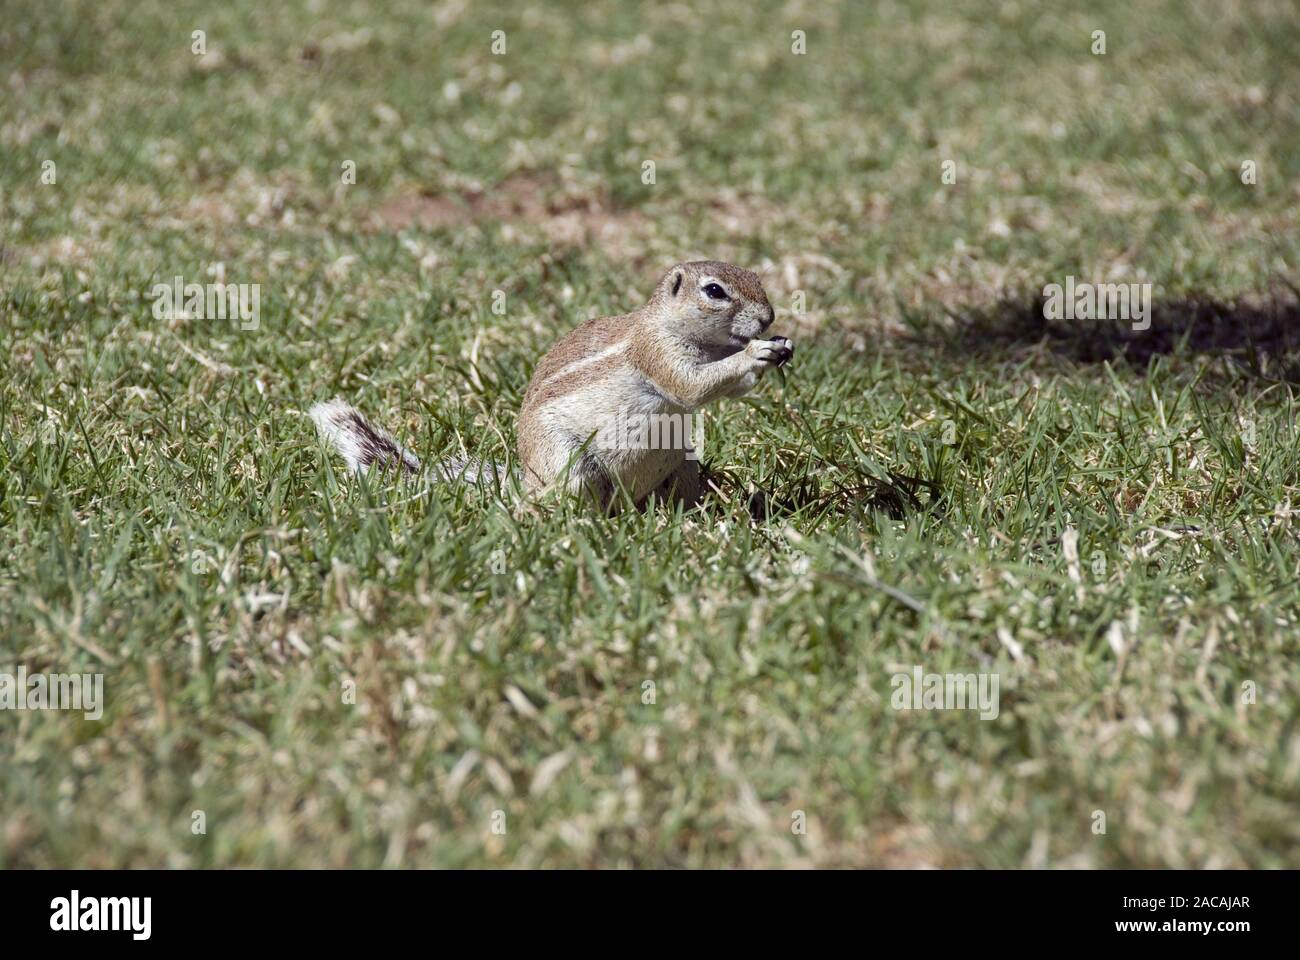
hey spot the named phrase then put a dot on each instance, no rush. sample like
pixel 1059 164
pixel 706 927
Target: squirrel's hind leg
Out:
pixel 587 477
pixel 684 485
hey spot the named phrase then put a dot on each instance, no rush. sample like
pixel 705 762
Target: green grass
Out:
pixel 170 520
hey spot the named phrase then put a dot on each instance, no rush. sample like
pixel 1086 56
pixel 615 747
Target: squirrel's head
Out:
pixel 714 303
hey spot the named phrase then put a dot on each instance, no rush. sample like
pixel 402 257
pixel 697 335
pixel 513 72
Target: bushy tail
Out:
pixel 362 445
pixel 360 442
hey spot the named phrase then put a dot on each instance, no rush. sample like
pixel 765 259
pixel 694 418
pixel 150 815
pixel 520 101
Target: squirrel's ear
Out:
pixel 677 282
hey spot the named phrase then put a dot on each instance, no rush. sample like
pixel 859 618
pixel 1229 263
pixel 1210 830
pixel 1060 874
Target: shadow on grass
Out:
pixel 896 496
pixel 1259 337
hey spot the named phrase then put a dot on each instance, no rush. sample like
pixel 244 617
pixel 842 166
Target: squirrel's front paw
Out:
pixel 774 352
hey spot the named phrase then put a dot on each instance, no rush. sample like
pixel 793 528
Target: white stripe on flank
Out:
pixel 588 361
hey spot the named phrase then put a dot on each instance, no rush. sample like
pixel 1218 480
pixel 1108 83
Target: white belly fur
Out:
pixel 573 418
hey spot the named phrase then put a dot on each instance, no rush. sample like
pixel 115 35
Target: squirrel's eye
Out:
pixel 715 292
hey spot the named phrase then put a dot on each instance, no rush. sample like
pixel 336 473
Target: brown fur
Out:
pixel 682 350
pixel 582 341
pixel 687 346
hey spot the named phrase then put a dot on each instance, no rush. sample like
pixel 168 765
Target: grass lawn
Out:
pixel 305 669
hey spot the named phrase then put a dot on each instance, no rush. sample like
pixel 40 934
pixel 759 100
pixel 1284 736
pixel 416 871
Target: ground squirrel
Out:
pixel 598 404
